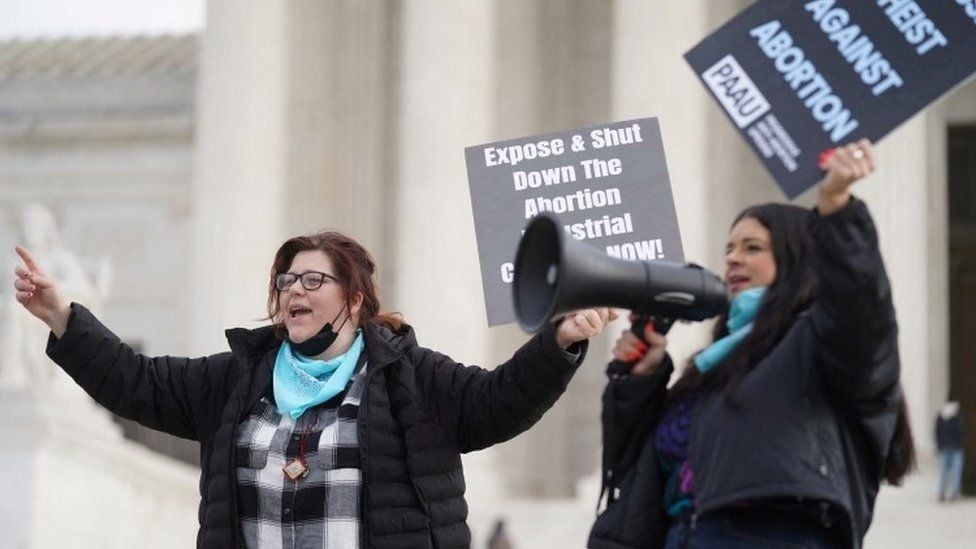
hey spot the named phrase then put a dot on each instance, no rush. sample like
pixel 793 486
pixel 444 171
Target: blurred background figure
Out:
pixel 949 439
pixel 499 537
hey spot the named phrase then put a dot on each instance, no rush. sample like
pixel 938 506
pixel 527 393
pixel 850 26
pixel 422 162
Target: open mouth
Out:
pixel 299 311
pixel 736 280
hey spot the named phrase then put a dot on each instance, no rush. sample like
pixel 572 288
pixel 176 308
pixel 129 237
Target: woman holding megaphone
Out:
pixel 779 432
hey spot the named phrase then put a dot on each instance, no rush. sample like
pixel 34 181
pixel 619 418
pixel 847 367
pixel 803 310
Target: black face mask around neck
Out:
pixel 318 343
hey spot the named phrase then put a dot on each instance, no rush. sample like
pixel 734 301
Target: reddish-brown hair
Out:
pixel 354 267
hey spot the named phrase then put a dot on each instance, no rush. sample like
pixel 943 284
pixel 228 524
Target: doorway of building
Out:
pixel 962 287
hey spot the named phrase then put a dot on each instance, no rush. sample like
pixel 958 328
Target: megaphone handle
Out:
pixel 661 325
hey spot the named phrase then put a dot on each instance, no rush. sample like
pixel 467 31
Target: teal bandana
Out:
pixel 301 383
pixel 741 313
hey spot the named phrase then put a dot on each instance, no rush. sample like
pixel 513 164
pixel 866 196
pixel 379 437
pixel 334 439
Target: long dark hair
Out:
pixel 792 291
pixel 354 267
pixel 901 458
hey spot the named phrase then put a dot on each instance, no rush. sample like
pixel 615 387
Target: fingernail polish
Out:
pixel 824 158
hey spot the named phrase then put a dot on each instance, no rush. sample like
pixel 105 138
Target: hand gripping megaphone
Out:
pixel 555 274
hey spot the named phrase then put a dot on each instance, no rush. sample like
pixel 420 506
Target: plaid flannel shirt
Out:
pixel 317 510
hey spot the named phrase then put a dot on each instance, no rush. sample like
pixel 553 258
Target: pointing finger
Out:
pixel 27 257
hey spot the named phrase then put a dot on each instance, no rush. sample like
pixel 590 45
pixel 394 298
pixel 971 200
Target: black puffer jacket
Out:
pixel 420 411
pixel 814 419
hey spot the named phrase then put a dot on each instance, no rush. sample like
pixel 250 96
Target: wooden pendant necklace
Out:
pixel 297 467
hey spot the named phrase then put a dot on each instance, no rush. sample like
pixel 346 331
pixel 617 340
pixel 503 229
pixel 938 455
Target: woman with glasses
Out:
pixel 331 427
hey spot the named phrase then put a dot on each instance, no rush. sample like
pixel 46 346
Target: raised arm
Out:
pixel 482 407
pixel 169 394
pixel 179 396
pixel 39 293
pixel 854 317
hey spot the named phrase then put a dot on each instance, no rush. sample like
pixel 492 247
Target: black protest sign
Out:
pixel 798 77
pixel 607 184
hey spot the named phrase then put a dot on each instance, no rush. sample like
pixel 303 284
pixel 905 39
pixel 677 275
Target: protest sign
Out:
pixel 607 184
pixel 798 77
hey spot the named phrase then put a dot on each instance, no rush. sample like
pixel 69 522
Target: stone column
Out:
pixel 448 72
pixel 341 123
pixel 554 72
pixel 928 398
pixel 906 196
pixel 241 173
pixel 713 174
pixel 295 134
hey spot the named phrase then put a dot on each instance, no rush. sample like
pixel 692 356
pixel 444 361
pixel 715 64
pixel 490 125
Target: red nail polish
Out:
pixel 824 158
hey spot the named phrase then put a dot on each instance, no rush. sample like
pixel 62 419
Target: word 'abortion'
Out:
pixel 810 86
pixel 580 200
pixel 600 138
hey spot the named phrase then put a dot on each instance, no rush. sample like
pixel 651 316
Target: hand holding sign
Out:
pixel 844 166
pixel 800 76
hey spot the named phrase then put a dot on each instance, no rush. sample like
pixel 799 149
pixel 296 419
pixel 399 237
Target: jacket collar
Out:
pixel 384 347
pixel 251 343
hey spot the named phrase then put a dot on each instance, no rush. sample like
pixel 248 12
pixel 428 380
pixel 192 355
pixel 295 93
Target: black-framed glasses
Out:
pixel 311 280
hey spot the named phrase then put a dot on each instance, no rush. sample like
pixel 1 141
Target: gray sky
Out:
pixel 58 18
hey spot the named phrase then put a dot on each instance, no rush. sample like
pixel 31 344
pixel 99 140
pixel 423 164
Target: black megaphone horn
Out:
pixel 555 274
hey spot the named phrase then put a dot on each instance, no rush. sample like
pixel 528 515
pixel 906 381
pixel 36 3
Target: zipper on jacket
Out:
pixel 243 407
pixel 433 540
pixel 420 497
pixel 362 425
pixel 235 527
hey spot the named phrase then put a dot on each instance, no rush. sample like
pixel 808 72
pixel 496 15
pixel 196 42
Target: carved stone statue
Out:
pixel 23 363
